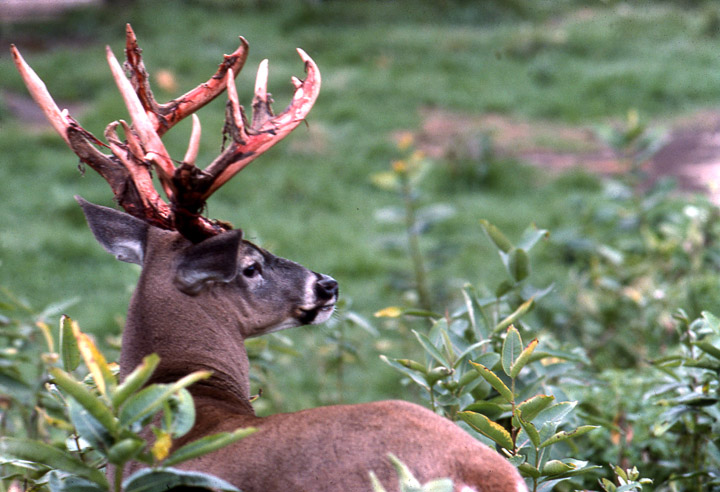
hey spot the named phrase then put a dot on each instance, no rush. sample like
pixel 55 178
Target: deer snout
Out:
pixel 326 288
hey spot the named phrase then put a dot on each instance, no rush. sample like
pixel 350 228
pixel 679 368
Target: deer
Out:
pixel 203 289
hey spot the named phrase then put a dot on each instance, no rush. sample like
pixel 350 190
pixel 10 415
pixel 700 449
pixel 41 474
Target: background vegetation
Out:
pixel 345 195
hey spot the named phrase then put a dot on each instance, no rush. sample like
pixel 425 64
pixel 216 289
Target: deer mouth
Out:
pixel 316 315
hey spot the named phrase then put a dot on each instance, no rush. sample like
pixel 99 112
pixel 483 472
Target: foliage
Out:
pixel 479 371
pixel 634 145
pixel 628 481
pixel 642 258
pixel 405 178
pixel 408 482
pixel 688 399
pixel 82 425
pixel 622 259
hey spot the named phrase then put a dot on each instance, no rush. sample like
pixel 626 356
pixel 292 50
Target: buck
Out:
pixel 203 290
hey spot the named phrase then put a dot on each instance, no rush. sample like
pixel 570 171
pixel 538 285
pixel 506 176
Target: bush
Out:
pixel 63 431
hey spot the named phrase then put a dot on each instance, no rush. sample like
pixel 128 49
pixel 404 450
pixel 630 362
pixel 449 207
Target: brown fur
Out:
pixel 321 449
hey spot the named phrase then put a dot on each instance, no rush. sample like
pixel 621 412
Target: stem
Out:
pixel 118 478
pixel 432 398
pixel 513 431
pixel 414 245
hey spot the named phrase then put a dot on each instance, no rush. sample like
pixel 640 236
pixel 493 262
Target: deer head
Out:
pixel 193 267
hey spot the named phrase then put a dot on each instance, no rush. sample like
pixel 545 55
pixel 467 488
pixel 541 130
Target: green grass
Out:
pixel 311 198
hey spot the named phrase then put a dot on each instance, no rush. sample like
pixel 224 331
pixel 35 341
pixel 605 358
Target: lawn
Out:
pixel 311 198
pixel 314 197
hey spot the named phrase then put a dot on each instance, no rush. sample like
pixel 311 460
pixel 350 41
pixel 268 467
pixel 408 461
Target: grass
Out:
pixel 311 198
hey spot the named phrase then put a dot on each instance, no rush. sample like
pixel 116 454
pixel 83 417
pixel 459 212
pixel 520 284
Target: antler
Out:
pixel 128 168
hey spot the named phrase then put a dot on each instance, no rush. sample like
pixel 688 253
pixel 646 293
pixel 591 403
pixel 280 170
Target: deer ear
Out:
pixel 119 233
pixel 214 259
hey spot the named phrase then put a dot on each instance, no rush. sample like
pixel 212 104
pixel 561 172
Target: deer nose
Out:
pixel 326 288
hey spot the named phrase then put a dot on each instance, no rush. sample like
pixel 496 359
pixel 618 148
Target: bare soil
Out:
pixel 690 153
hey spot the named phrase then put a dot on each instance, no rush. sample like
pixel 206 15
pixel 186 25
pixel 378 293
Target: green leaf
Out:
pixel 530 408
pixel 183 413
pixel 564 435
pixel 69 353
pixel 517 314
pixel 467 378
pixel 522 359
pixel 405 477
pixel 519 264
pixel 511 349
pixel 494 381
pixel 39 452
pixel 135 380
pixel 708 348
pixel 531 236
pixel 554 413
pixel 468 351
pixel 206 445
pixel 143 405
pixel 712 321
pixel 419 380
pixel 469 307
pixel 93 404
pixel 497 237
pixel 531 432
pixel 437 373
pixel 488 428
pixel 89 428
pixel 556 467
pixel 412 364
pixel 151 480
pixel 488 408
pixel 125 450
pixel 430 348
pixel 60 481
pixel 528 470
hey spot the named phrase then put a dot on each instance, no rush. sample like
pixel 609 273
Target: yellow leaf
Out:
pixel 385 180
pixel 55 422
pixel 400 166
pixel 161 448
pixel 94 360
pixel 389 312
pixel 405 140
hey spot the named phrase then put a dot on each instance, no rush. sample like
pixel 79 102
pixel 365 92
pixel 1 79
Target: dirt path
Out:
pixel 690 153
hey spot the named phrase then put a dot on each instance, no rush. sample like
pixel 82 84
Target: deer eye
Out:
pixel 251 270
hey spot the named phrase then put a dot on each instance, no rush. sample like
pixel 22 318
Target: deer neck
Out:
pixel 189 333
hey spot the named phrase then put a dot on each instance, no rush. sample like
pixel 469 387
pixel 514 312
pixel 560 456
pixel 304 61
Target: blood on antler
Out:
pixel 128 168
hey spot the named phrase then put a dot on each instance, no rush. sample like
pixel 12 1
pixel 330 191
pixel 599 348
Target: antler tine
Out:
pixel 122 182
pixel 266 129
pixel 187 187
pixel 165 116
pixel 194 143
pixel 154 148
pixel 58 119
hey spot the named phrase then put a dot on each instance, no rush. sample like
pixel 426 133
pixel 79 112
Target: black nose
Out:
pixel 326 288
